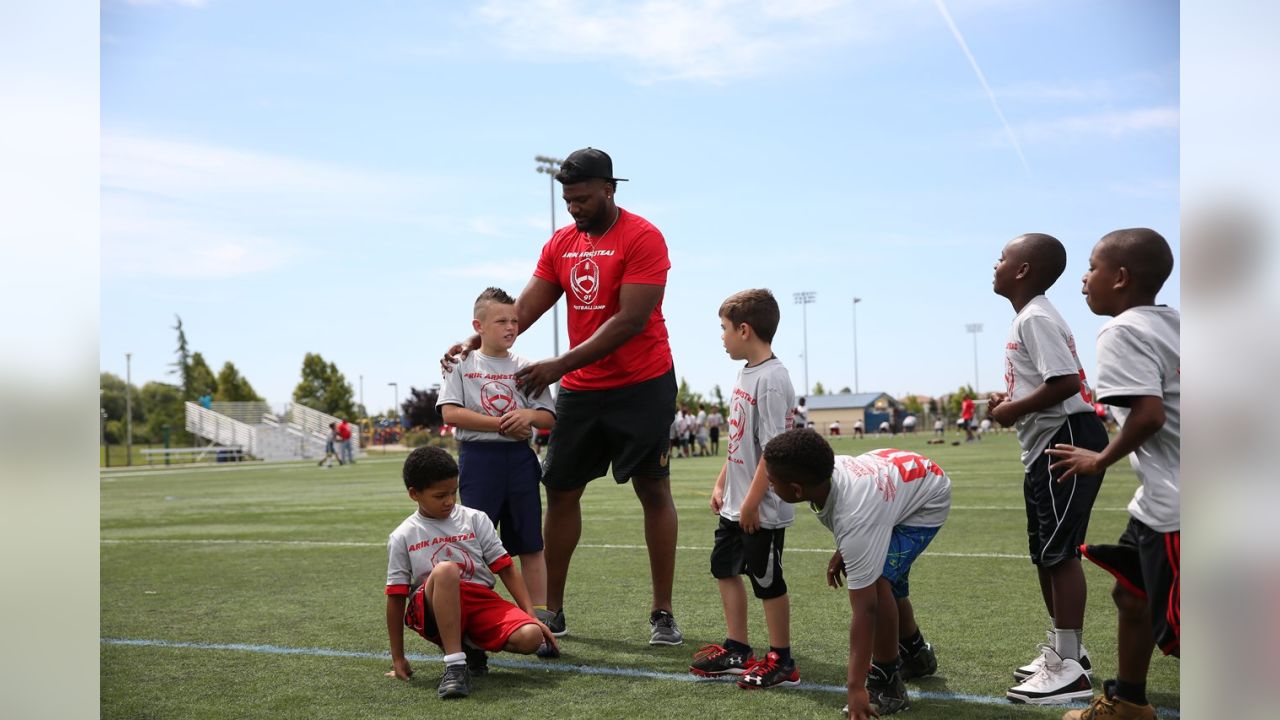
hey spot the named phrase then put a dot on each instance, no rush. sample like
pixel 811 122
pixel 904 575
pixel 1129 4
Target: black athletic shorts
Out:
pixel 1058 512
pixel 627 427
pixel 1148 564
pixel 757 555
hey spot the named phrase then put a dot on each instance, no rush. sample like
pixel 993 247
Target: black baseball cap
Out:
pixel 586 164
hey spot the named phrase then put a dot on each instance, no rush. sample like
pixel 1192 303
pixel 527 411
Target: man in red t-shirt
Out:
pixel 966 414
pixel 344 434
pixel 617 380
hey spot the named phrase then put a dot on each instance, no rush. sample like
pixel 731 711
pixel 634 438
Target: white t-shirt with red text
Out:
pixel 1040 347
pixel 760 407
pixel 1139 355
pixel 486 384
pixel 467 537
pixel 870 495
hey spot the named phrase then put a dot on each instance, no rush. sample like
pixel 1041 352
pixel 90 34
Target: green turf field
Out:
pixel 256 592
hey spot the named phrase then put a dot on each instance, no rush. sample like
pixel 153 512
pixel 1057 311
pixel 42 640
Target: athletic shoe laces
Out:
pixel 710 652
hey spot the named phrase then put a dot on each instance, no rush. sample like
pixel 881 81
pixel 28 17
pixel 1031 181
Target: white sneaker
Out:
pixel 1059 681
pixel 1033 667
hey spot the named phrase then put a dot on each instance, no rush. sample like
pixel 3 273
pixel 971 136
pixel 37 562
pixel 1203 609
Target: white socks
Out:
pixel 455 659
pixel 1066 642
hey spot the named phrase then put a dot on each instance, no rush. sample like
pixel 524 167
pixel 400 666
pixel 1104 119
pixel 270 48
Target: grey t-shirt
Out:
pixel 1040 346
pixel 487 385
pixel 759 408
pixel 1139 355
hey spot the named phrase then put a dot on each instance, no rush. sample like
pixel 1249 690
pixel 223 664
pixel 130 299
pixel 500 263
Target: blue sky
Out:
pixel 299 177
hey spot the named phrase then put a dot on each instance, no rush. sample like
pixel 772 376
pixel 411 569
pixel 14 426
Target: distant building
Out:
pixel 847 408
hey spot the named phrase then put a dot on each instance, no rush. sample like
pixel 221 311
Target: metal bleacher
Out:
pixel 299 434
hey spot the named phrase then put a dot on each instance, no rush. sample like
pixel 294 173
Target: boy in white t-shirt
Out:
pixel 441 563
pixel 1139 375
pixel 884 507
pixel 753 521
pixel 493 419
pixel 1046 397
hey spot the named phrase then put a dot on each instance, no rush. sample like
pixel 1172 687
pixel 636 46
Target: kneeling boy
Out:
pixel 441 564
pixel 884 507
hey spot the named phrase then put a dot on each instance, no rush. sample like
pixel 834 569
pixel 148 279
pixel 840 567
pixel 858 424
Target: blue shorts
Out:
pixel 502 480
pixel 905 545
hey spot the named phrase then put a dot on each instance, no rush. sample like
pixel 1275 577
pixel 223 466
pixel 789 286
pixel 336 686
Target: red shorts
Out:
pixel 488 619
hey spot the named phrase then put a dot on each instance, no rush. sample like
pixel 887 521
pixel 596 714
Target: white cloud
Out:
pixel 139 238
pixel 1111 124
pixel 510 271
pixel 706 40
pixel 184 3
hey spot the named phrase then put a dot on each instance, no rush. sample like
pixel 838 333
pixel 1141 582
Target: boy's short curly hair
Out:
pixel 799 456
pixel 427 466
pixel 756 307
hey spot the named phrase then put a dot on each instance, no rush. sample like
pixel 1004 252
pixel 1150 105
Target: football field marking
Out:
pixel 552 666
pixel 596 546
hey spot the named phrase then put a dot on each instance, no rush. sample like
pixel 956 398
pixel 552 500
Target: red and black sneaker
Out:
pixel 714 661
pixel 770 672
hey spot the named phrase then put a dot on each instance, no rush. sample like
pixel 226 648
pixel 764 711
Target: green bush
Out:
pixel 418 437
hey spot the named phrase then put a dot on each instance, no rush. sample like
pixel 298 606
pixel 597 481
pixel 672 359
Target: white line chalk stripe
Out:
pixel 552 666
pixel 597 546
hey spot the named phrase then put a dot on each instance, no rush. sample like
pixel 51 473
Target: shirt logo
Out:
pixel 737 426
pixel 448 552
pixel 584 279
pixel 496 398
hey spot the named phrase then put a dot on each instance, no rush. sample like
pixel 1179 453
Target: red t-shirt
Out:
pixel 966 409
pixel 344 430
pixel 633 251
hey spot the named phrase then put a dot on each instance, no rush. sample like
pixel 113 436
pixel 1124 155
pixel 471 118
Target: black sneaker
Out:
pixel 663 629
pixel 456 682
pixel 923 663
pixel 714 660
pixel 888 697
pixel 477 660
pixel 553 620
pixel 770 672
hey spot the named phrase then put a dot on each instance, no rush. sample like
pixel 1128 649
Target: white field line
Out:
pixel 593 546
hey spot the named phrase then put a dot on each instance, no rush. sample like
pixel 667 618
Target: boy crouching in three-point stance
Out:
pixel 442 560
pixel 884 507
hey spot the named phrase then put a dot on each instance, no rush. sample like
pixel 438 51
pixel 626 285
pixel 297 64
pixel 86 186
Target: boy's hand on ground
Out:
pixel 1073 461
pixel 400 669
pixel 860 705
pixel 749 519
pixel 835 570
pixel 548 636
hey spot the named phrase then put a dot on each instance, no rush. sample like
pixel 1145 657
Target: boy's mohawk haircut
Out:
pixel 491 295
pixel 757 308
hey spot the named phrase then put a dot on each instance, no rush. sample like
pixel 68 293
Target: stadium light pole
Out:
pixel 856 300
pixel 974 329
pixel 128 408
pixel 804 299
pixel 395 387
pixel 551 166
pixel 363 412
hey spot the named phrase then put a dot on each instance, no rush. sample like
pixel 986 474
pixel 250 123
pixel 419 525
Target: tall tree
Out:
pixel 818 389
pixel 323 388
pixel 688 398
pixel 182 366
pixel 913 404
pixel 232 386
pixel 419 409
pixel 164 406
pixel 201 378
pixel 111 390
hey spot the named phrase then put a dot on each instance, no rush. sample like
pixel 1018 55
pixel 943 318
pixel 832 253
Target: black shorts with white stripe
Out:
pixel 1058 512
pixel 757 555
